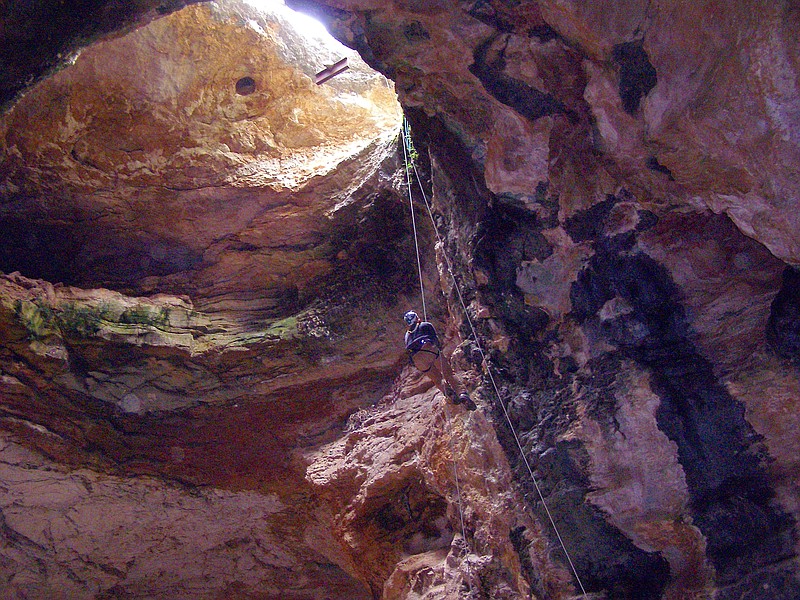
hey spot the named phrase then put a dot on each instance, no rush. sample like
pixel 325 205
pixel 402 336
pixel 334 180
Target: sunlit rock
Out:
pixel 214 254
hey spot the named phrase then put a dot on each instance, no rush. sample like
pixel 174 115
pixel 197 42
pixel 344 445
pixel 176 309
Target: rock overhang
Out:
pixel 142 157
pixel 194 167
pixel 600 214
pixel 205 276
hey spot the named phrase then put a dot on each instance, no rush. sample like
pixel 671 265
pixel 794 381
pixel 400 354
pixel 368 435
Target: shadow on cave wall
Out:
pixel 540 407
pixel 369 242
pixel 525 99
pixel 86 255
pixel 722 457
pixel 377 238
pixel 731 499
pixel 636 74
pixel 783 327
pixel 507 234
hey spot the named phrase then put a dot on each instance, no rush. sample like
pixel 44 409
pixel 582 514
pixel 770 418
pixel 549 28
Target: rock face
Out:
pixel 118 183
pixel 206 255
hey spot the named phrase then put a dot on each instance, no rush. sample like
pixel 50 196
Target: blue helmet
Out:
pixel 410 318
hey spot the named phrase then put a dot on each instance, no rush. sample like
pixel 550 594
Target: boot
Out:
pixel 463 398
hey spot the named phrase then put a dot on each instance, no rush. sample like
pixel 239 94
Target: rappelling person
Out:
pixel 425 353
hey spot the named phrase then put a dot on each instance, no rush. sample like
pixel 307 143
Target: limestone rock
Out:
pixel 613 267
pixel 145 161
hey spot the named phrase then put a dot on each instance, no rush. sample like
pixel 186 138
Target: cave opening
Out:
pixel 147 158
pixel 303 22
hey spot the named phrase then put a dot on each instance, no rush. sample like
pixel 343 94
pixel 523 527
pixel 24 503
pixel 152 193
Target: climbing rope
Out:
pixel 485 361
pixel 407 154
pixel 458 496
pixel 408 163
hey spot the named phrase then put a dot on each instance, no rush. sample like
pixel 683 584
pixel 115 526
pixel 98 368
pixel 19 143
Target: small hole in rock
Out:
pixel 245 86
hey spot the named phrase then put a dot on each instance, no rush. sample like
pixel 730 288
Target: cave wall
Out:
pixel 45 36
pixel 614 184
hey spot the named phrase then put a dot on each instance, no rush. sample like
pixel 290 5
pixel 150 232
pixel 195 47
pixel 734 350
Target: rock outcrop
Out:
pixel 206 256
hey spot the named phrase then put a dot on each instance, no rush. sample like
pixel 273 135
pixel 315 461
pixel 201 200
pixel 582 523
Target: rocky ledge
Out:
pixel 205 257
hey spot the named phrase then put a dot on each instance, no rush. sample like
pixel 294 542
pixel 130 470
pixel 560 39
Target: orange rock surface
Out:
pixel 205 257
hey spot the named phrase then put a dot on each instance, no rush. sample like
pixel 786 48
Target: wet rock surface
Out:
pixel 202 393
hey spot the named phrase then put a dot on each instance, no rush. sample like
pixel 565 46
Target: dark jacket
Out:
pixel 421 334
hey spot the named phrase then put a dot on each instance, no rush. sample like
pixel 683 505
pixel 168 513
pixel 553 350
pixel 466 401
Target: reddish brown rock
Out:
pixel 613 187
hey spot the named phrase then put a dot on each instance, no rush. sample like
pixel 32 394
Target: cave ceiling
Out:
pixel 204 257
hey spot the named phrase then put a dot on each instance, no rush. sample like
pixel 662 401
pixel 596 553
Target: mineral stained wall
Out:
pixel 203 392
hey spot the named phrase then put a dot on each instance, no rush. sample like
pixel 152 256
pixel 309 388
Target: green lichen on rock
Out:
pixel 284 329
pixel 66 320
pixel 37 318
pixel 136 322
pixel 305 331
pixel 79 321
pixel 144 314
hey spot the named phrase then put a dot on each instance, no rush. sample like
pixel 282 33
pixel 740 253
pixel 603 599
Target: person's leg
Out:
pixel 437 368
pixel 427 360
pixel 435 375
pixel 451 378
pixel 460 395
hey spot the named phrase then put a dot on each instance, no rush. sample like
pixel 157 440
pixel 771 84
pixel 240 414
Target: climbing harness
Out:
pixel 421 355
pixel 411 166
pixel 419 342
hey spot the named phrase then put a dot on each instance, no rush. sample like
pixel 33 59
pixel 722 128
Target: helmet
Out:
pixel 410 318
